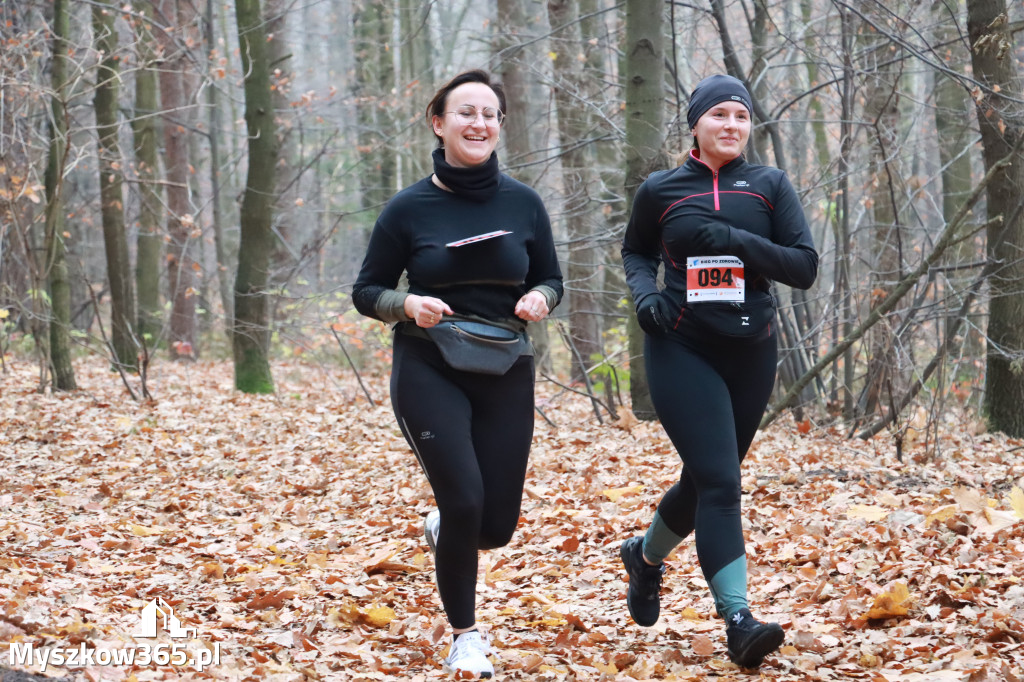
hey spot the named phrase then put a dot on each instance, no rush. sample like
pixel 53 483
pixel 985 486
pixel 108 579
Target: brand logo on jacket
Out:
pixel 746 320
pixel 741 183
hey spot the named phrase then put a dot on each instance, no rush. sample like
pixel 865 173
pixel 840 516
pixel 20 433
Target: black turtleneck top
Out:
pixel 483 279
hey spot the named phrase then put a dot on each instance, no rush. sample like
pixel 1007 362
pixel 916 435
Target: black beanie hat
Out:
pixel 711 91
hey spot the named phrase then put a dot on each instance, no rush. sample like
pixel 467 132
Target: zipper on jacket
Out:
pixel 714 181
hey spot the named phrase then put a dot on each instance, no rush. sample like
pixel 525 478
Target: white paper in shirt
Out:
pixel 477 238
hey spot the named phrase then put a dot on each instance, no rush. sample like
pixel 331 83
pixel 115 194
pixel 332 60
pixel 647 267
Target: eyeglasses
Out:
pixel 468 115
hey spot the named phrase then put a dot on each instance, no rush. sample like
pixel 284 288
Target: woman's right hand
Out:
pixel 654 314
pixel 426 311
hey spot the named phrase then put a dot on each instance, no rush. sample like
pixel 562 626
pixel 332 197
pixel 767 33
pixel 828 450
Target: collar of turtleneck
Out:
pixel 479 183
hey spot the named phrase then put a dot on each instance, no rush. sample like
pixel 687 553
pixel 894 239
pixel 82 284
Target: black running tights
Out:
pixel 472 434
pixel 710 397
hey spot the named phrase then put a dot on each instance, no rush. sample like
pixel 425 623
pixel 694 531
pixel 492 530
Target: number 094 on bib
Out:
pixel 714 278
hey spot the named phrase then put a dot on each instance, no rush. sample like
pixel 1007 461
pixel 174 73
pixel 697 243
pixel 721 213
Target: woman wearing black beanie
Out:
pixel 724 229
pixel 478 251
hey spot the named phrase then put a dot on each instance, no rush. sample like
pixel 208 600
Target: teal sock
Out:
pixel 729 587
pixel 659 540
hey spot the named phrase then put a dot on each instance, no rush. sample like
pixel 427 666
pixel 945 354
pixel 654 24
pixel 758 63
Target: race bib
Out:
pixel 714 278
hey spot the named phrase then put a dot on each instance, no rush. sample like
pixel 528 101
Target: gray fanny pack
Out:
pixel 478 347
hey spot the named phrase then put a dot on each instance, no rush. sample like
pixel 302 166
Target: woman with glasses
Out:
pixel 476 246
pixel 723 229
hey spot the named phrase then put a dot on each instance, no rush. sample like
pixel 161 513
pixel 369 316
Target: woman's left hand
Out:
pixel 532 307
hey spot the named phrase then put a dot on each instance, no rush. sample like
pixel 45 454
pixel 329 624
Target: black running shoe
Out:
pixel 644 583
pixel 750 640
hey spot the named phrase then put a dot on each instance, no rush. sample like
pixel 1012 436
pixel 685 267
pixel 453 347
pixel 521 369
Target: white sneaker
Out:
pixel 431 525
pixel 469 653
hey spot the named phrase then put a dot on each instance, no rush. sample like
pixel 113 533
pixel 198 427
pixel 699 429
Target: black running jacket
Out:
pixel 767 228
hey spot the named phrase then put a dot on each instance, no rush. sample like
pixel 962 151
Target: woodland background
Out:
pixel 186 190
pixel 184 177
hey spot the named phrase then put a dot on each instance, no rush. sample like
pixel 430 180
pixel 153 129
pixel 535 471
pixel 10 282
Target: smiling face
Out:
pixel 722 133
pixel 468 144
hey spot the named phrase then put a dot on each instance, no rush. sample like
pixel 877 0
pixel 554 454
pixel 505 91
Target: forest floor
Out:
pixel 285 533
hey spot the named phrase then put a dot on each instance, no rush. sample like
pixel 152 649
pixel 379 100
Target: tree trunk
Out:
pixel 952 123
pixel 802 313
pixel 375 79
pixel 222 252
pixel 843 288
pixel 881 114
pixel 514 55
pixel 731 60
pixel 284 256
pixel 954 126
pixel 115 241
pixel 603 155
pixel 582 270
pixel 181 262
pixel 759 86
pixel 1001 124
pixel 416 87
pixel 645 116
pixel 251 335
pixel 55 263
pixel 149 242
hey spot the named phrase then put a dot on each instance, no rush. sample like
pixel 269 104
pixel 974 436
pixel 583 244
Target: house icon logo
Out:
pixel 158 611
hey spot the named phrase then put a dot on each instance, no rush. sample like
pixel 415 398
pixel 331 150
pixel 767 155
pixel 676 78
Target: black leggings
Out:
pixel 472 435
pixel 710 395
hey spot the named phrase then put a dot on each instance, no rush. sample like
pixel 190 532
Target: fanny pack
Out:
pixel 736 320
pixel 477 346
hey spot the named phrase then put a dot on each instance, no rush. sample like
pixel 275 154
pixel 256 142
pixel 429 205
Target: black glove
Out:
pixel 655 314
pixel 711 239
